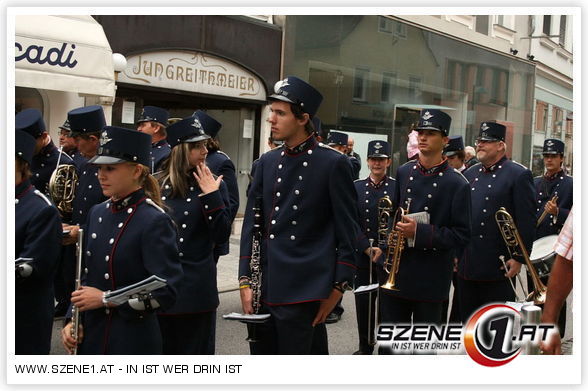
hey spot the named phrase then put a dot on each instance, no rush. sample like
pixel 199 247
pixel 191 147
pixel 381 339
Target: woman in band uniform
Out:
pixel 128 239
pixel 37 238
pixel 198 203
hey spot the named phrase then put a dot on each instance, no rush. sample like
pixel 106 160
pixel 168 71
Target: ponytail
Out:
pixel 150 186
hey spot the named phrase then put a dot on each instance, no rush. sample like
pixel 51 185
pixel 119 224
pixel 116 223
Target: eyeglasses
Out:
pixel 481 142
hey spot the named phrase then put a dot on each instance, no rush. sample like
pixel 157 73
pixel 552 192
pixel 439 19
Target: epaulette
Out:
pixel 153 204
pixel 39 194
pixel 519 164
pixel 322 145
pixel 461 175
pixel 222 153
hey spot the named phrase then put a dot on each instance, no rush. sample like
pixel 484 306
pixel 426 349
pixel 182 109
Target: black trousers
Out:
pixel 188 333
pixel 65 278
pixel 475 294
pixel 395 310
pixel 366 313
pixel 289 331
pixel 454 316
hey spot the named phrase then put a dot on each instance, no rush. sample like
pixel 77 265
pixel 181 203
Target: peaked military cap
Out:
pixel 210 125
pixel 455 144
pixel 86 119
pixel 337 138
pixel 492 131
pixel 297 91
pixel 30 121
pixel 65 126
pixel 24 145
pixel 378 148
pixel 188 130
pixel 118 145
pixel 553 146
pixel 155 114
pixel 433 119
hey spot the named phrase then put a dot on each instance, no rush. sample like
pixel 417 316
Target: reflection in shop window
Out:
pixel 538 165
pixel 541 116
pixel 360 84
pixel 388 84
pixel 414 87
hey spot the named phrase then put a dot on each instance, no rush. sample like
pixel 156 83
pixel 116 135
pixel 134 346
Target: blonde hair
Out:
pixel 177 169
pixel 150 185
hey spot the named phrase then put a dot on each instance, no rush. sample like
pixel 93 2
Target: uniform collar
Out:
pixel 22 188
pixel 495 166
pixel 160 143
pixel 308 143
pixel 433 170
pixel 374 184
pixel 130 199
pixel 548 177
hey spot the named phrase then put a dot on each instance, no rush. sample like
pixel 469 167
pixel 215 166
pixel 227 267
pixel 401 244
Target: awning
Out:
pixel 63 53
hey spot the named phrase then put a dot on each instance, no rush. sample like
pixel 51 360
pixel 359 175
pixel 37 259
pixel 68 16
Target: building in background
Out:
pixel 224 65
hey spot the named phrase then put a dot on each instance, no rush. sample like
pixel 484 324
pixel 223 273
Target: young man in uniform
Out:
pixel 369 192
pixel 455 154
pixel 153 121
pixel 555 182
pixel 495 182
pixel 441 195
pixel 309 228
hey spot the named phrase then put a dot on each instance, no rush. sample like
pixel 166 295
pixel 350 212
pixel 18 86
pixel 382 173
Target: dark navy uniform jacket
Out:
pixel 159 152
pixel 125 243
pixel 78 158
pixel 88 193
pixel 202 221
pixel 368 197
pixel 356 165
pixel 506 184
pixel 43 165
pixel 310 223
pixel 37 236
pixel 545 189
pixel 425 270
pixel 220 164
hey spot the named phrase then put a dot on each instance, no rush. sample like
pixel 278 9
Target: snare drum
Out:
pixel 542 256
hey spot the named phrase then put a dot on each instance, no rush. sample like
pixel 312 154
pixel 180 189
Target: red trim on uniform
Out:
pixel 313 146
pixel 245 257
pixel 25 191
pixel 111 265
pixel 214 210
pixel 186 313
pixel 432 234
pixel 347 264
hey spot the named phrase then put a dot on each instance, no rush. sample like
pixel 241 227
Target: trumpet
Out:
pixel 515 246
pixel 395 242
pixel 544 214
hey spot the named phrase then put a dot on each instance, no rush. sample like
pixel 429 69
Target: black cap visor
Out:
pixel 98 159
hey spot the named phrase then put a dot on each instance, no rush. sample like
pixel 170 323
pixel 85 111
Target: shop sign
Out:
pixel 194 72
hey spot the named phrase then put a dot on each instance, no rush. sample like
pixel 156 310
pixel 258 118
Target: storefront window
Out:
pixel 541 116
pixel 376 73
pixel 27 98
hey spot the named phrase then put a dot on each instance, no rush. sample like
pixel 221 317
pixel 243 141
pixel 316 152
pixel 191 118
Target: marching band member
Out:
pixel 495 182
pixel 220 164
pixel 310 228
pixel 454 152
pixel 85 123
pixel 128 238
pixel 37 236
pixel 68 142
pixel 369 191
pixel 153 121
pixel 428 185
pixel 198 203
pixel 339 141
pixel 46 153
pixel 555 182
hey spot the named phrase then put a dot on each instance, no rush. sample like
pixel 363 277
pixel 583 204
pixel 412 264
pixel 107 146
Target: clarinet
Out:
pixel 255 266
pixel 75 312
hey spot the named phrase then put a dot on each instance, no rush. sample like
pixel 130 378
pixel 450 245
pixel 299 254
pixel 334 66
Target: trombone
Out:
pixel 544 214
pixel 515 246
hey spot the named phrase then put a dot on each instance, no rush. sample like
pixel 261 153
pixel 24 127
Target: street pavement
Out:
pixel 230 335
